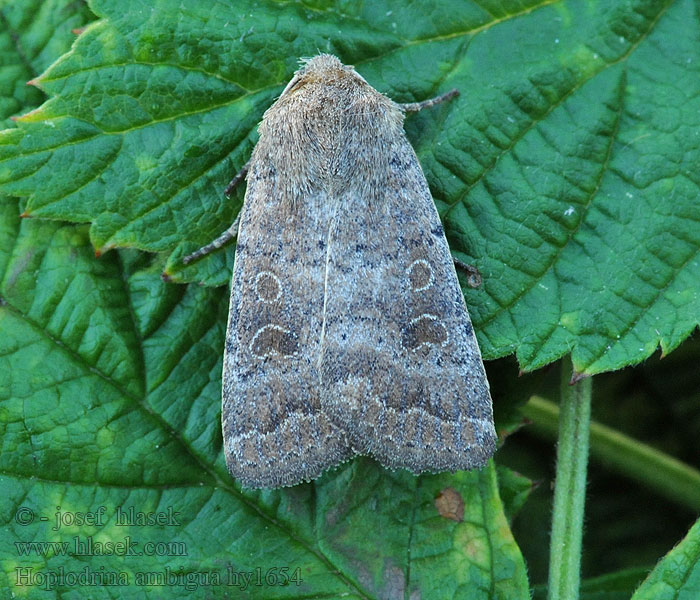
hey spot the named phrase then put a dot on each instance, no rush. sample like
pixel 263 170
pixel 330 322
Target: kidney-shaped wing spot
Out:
pixel 424 331
pixel 274 340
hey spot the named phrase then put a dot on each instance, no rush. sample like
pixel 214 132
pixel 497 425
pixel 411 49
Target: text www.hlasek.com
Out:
pixel 89 547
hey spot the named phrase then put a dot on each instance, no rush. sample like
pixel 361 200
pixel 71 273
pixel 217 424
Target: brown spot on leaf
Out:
pixel 450 504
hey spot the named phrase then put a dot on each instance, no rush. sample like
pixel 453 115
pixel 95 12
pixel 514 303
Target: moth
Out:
pixel 347 332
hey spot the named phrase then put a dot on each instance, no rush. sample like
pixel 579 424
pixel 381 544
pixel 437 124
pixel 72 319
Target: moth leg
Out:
pixel 238 177
pixel 224 238
pixel 473 275
pixel 416 106
pixel 231 232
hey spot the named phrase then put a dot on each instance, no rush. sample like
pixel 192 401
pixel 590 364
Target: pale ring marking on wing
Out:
pixel 264 282
pixel 420 275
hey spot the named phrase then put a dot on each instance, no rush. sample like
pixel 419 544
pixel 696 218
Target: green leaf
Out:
pixel 677 576
pixel 613 586
pixel 567 170
pixel 33 33
pixel 515 490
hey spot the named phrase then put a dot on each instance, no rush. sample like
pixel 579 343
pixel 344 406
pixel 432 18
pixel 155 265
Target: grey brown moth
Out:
pixel 348 332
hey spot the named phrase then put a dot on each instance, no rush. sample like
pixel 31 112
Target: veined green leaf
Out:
pixel 566 170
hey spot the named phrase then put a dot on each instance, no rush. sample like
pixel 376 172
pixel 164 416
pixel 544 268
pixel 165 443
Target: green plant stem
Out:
pixel 656 470
pixel 569 487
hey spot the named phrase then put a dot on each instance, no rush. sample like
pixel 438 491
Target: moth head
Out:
pixel 325 69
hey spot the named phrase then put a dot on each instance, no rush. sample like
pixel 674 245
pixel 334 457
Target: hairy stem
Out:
pixel 569 487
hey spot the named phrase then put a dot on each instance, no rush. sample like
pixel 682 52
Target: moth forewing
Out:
pixel 275 433
pixel 401 371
